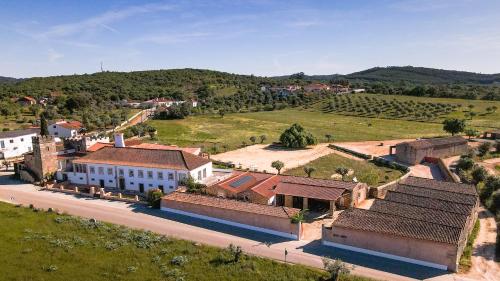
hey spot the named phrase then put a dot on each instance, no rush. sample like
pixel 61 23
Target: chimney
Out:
pixel 119 141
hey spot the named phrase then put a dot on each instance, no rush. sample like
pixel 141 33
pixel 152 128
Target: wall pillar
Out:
pixel 288 201
pixel 305 203
pixel 332 207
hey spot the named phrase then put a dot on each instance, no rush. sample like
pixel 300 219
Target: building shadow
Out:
pixel 263 238
pixel 379 263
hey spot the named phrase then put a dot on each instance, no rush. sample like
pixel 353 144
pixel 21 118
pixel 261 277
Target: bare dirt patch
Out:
pixel 375 148
pixel 261 156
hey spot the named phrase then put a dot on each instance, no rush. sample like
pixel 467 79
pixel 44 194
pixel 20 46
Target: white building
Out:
pixel 15 143
pixel 163 102
pixel 65 129
pixel 138 169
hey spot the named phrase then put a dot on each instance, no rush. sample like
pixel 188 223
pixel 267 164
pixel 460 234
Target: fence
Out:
pixel 92 193
pixel 350 151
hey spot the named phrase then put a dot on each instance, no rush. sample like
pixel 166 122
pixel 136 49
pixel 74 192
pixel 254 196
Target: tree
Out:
pixel 262 138
pixel 236 252
pixel 453 126
pixel 471 133
pixel 335 268
pixel 465 163
pixel 5 164
pixel 222 112
pixel 309 170
pixel 479 174
pixel 297 137
pixel 328 137
pixel 278 165
pixel 343 171
pixel 253 139
pixel 154 198
pixel 484 148
pixel 44 130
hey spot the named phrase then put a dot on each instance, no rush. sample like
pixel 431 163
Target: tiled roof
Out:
pixel 429 203
pixel 242 181
pixel 437 142
pixel 266 187
pixel 98 145
pixel 18 133
pixel 418 213
pixel 307 191
pixel 440 185
pixel 366 220
pixel 258 209
pixel 437 194
pixel 319 182
pixel 139 157
pixel 72 125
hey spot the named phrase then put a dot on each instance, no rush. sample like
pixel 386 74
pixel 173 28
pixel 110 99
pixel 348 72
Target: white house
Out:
pixel 65 129
pixel 163 102
pixel 15 143
pixel 138 169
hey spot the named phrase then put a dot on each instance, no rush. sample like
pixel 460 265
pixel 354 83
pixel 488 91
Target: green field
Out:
pixel 235 128
pixel 364 171
pixel 47 246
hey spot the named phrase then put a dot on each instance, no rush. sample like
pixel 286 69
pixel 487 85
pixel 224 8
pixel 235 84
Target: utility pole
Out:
pixel 102 70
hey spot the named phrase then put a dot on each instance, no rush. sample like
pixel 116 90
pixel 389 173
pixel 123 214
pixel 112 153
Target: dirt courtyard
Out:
pixel 371 147
pixel 261 156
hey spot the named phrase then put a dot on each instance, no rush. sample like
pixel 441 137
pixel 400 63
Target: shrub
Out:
pixel 154 198
pixel 465 163
pixel 479 174
pixel 484 148
pixel 235 252
pixel 297 137
pixel 179 260
pixel 335 268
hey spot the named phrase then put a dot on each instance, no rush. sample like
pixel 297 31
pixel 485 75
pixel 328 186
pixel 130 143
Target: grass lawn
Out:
pixel 465 260
pixel 235 128
pixel 364 171
pixel 47 246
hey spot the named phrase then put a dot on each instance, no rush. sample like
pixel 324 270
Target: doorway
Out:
pixel 141 188
pixel 298 202
pixel 101 183
pixel 121 183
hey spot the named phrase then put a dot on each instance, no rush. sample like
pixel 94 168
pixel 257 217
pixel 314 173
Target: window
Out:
pixel 92 179
pixel 30 148
pixel 199 175
pixel 56 133
pixel 92 170
pixel 110 171
pixel 2 144
pixel 205 173
pixel 170 176
pixel 11 141
pixel 150 185
pixel 150 174
pixel 140 174
pixel 100 170
pixel 131 183
pixel 110 180
pixel 131 173
pixel 81 178
pixel 22 139
pixel 182 177
pixel 160 187
pixel 171 187
pixel 160 175
pixel 120 172
pixel 54 126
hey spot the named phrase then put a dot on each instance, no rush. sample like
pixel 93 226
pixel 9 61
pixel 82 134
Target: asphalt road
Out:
pixel 138 216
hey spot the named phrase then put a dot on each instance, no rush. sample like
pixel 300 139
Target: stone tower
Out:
pixel 44 156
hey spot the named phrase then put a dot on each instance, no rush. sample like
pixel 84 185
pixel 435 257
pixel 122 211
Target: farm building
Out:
pixel 14 144
pixel 420 221
pixel 290 191
pixel 494 135
pixel 415 152
pixel 65 129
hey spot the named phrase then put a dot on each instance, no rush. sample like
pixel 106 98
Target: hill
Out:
pixel 422 75
pixel 7 79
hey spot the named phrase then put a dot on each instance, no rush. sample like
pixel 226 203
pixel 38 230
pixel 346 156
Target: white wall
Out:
pixel 195 174
pixel 16 146
pixel 59 131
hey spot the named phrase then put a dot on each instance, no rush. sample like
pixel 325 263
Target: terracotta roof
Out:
pixel 266 188
pixel 440 185
pixel 98 145
pixel 429 203
pixel 418 213
pixel 28 98
pixel 437 142
pixel 18 133
pixel 72 125
pixel 303 190
pixel 139 157
pixel 242 181
pixel 319 182
pixel 210 201
pixel 366 220
pixel 437 194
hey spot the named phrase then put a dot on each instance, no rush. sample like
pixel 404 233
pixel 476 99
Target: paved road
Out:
pixel 138 216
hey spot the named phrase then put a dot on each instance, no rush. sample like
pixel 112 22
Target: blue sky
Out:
pixel 42 38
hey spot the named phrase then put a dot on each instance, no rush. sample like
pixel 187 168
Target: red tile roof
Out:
pixel 210 201
pixel 140 157
pixel 72 125
pixel 192 150
pixel 307 191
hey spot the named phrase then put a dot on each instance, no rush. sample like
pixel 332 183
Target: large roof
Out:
pixel 258 209
pixel 319 182
pixel 72 125
pixel 366 220
pixel 307 191
pixel 18 133
pixel 417 208
pixel 437 142
pixel 150 158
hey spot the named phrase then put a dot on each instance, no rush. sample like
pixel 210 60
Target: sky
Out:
pixel 267 38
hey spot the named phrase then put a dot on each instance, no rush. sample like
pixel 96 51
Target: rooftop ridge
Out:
pixel 432 190
pixel 392 191
pixel 408 218
pixel 264 181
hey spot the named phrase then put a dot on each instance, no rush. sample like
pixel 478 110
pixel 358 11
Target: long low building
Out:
pixel 14 144
pixel 414 152
pixel 420 221
pixel 256 217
